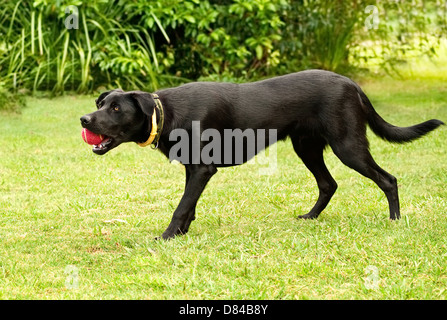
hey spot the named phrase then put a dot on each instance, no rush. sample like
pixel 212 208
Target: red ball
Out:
pixel 91 138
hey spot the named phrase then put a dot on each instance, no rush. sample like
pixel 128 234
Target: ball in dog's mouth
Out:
pixel 99 142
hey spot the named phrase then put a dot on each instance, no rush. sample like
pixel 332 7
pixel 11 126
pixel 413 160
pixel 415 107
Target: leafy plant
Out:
pixel 39 52
pixel 11 101
pixel 147 44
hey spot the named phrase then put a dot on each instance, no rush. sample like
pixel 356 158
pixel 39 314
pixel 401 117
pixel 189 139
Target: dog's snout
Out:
pixel 85 120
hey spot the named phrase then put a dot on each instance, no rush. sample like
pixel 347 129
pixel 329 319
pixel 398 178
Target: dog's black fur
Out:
pixel 314 108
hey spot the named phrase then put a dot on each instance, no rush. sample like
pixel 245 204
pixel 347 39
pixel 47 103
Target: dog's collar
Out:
pixel 154 136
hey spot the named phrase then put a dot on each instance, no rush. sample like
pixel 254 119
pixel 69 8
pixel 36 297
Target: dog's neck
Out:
pixel 157 128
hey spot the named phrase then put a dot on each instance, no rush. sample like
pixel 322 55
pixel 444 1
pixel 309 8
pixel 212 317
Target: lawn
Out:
pixel 74 225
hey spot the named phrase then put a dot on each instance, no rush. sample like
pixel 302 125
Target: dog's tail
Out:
pixel 392 133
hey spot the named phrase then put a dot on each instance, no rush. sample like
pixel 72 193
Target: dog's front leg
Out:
pixel 199 175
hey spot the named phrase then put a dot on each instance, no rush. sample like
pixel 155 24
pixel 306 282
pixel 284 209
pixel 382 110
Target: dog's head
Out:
pixel 121 117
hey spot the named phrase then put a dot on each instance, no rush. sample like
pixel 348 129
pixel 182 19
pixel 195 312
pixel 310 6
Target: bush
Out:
pixel 150 44
pixel 11 101
pixel 108 47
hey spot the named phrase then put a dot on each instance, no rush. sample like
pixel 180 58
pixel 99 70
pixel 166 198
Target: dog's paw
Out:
pixel 167 236
pixel 308 216
pixel 164 237
pixel 172 232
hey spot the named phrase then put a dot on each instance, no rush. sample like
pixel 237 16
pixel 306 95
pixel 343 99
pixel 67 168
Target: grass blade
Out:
pixel 161 27
pixel 39 33
pixel 33 18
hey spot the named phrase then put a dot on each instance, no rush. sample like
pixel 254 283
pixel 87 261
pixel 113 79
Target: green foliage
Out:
pixel 11 102
pixel 326 34
pixel 147 44
pixel 40 53
pixel 407 30
pixel 236 39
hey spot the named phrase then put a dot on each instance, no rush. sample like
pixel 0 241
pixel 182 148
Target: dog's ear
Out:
pixel 103 95
pixel 144 101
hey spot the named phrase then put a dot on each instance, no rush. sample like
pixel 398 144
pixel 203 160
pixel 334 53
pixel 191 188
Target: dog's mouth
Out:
pixel 105 145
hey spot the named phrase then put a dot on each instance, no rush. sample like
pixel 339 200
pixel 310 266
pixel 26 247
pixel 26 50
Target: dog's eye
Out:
pixel 116 108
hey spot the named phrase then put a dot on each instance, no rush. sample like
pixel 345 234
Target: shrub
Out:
pixel 144 44
pixel 11 101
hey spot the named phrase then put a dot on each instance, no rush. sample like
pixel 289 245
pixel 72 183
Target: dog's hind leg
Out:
pixel 310 150
pixel 199 175
pixel 353 152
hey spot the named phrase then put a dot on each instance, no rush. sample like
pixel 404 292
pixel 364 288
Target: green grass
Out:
pixel 57 199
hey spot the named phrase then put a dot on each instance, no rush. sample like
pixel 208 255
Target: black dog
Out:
pixel 314 108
